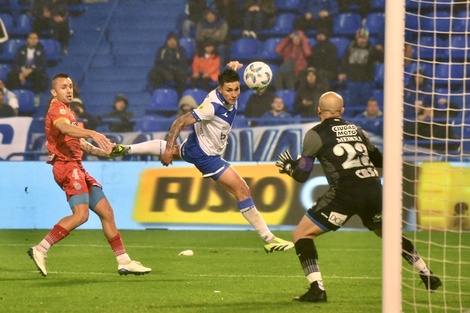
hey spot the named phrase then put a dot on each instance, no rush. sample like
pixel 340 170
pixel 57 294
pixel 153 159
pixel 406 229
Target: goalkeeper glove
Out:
pixel 286 164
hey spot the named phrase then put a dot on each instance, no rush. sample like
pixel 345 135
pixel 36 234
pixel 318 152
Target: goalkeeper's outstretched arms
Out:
pixel 299 169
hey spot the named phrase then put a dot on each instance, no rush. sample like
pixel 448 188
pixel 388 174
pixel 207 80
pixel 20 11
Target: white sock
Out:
pixel 153 147
pixel 316 277
pixel 123 259
pixel 251 214
pixel 420 266
pixel 43 246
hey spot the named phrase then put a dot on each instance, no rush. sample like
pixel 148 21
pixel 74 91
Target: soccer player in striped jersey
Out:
pixel 205 146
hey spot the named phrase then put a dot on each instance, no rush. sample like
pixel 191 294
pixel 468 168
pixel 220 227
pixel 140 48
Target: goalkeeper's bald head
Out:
pixel 330 105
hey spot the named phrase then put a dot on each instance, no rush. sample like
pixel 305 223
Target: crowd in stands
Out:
pixel 310 54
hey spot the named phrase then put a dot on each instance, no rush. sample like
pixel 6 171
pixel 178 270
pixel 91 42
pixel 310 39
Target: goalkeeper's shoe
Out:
pixel 314 294
pixel 278 244
pixel 119 150
pixel 134 268
pixel 432 282
pixel 39 259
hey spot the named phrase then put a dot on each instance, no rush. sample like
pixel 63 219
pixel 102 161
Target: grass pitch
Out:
pixel 229 272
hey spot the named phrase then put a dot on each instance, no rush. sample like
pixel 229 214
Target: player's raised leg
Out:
pixel 151 147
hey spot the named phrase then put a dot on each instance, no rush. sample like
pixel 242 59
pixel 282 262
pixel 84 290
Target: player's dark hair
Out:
pixel 61 75
pixel 228 76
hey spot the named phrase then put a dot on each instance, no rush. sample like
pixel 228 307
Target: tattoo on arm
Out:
pixel 91 149
pixel 176 127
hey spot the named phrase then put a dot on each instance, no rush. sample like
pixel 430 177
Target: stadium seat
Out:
pixel 287 6
pixel 414 5
pixel 377 5
pixel 164 101
pixel 268 50
pixel 23 26
pixel 460 22
pixel 429 48
pixel 239 122
pixel 142 137
pixel 283 25
pixel 457 48
pixel 449 75
pixel 347 24
pixel 312 41
pixel 7 20
pixel 438 21
pixel 4 70
pixel 374 22
pixel 243 99
pixel 378 95
pixel 341 44
pixel 288 95
pixel 9 49
pixel 379 75
pixel 155 123
pixel 25 101
pixel 245 49
pixel 52 49
pixel 189 45
pixel 198 94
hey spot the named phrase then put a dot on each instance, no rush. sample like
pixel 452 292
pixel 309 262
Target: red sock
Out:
pixel 117 245
pixel 56 234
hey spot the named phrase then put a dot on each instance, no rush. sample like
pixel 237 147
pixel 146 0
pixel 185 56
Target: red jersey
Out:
pixel 61 147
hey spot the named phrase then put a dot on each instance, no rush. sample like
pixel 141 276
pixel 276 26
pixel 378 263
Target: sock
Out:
pixel 56 234
pixel 308 257
pixel 153 147
pixel 250 213
pixel 118 248
pixel 412 256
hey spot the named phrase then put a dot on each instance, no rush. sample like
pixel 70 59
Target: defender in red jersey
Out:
pixel 66 144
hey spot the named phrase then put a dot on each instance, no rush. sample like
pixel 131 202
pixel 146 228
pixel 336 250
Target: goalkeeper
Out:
pixel 205 146
pixel 349 160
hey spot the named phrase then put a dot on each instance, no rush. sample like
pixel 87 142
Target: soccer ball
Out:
pixel 257 75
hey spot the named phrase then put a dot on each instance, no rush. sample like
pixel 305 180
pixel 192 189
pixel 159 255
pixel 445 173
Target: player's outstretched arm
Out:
pixel 183 121
pixel 68 129
pixel 91 149
pixel 287 165
pixel 235 65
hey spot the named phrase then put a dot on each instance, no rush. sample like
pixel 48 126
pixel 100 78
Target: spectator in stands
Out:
pixel 431 134
pixel 195 12
pixel 445 109
pixel 307 96
pixel 277 115
pixel 358 66
pixel 52 17
pixel 120 112
pixel 372 109
pixel 258 14
pixel 9 97
pixel 316 14
pixel 417 94
pixel 29 66
pixel 185 105
pixel 324 58
pixel 230 11
pixel 294 50
pixel 85 119
pixel 206 67
pixel 170 65
pixel 5 109
pixel 257 104
pixel 213 27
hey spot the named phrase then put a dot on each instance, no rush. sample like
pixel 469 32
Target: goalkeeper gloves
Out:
pixel 286 164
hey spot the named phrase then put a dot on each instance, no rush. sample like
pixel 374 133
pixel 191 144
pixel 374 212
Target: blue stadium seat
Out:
pixel 4 69
pixel 134 60
pixel 429 48
pixel 438 21
pixel 239 122
pixel 378 5
pixel 460 22
pixel 189 45
pixel 374 22
pixel 25 101
pixel 414 5
pixel 312 41
pixel 457 48
pixel 142 137
pixel 164 101
pixel 283 25
pixel 198 94
pixel 155 123
pixel 341 44
pixel 449 75
pixel 287 6
pixel 23 26
pixel 245 49
pixel 268 50
pixel 9 49
pixel 379 75
pixel 347 24
pixel 52 49
pixel 243 99
pixel 288 95
pixel 7 20
pixel 379 96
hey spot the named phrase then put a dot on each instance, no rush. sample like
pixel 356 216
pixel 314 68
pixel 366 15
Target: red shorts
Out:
pixel 72 178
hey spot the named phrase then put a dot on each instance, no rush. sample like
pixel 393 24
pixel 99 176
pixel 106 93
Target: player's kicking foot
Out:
pixel 278 244
pixel 39 259
pixel 119 150
pixel 314 294
pixel 134 268
pixel 432 282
